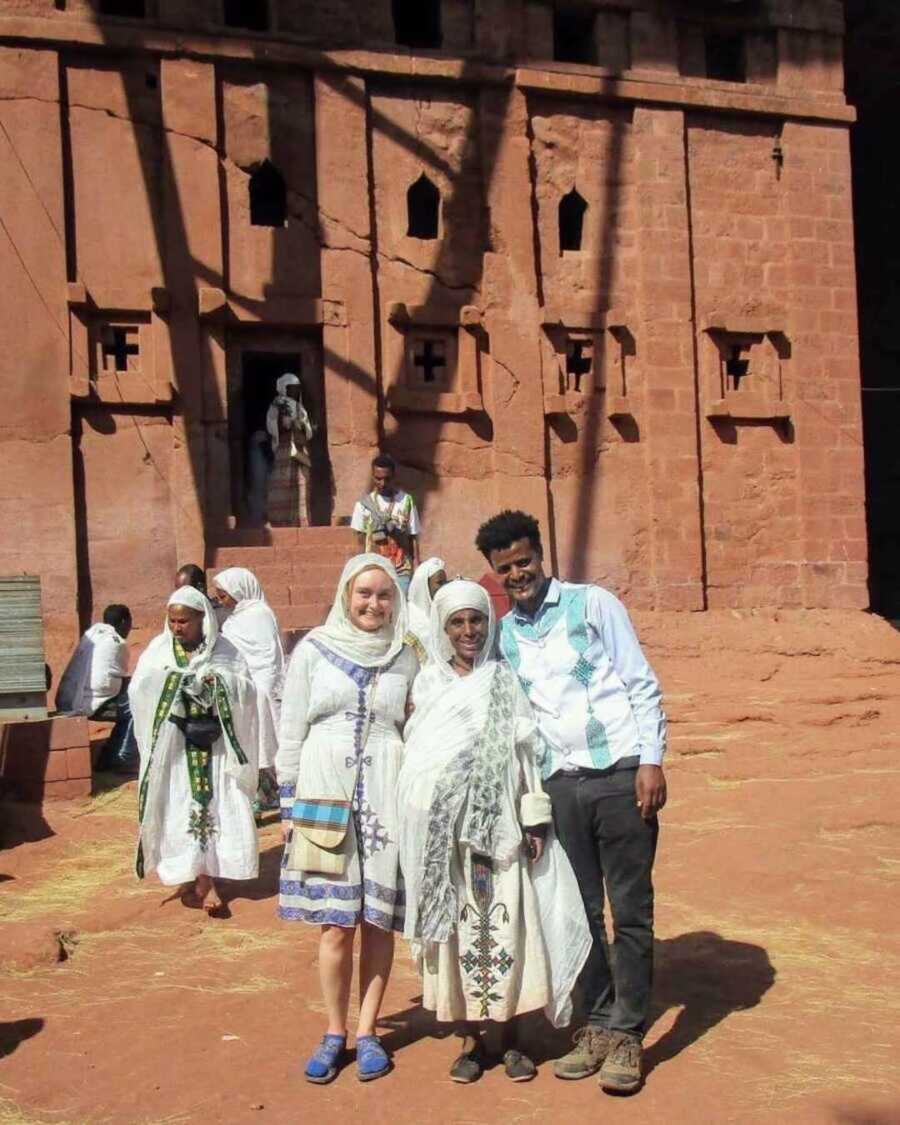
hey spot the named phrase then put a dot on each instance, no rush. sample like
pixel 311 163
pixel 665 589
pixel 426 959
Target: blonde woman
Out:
pixel 339 751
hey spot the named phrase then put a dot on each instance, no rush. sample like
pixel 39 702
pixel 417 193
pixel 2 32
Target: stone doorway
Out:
pixel 255 363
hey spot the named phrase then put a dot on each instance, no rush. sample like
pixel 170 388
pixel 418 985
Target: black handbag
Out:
pixel 202 732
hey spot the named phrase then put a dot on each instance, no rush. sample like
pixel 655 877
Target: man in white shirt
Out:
pixel 598 708
pixel 386 521
pixel 95 683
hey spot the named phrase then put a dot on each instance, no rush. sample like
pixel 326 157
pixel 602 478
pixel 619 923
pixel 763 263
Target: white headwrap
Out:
pixel 240 584
pixel 192 598
pixel 455 596
pixel 341 636
pixel 301 425
pixel 419 597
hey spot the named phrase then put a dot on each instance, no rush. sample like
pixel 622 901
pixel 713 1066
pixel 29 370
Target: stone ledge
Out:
pixel 739 406
pixel 610 85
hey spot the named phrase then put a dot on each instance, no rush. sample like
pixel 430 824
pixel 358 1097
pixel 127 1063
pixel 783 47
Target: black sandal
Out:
pixel 467 1067
pixel 519 1067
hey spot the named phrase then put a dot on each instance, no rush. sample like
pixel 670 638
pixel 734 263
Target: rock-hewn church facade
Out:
pixel 591 259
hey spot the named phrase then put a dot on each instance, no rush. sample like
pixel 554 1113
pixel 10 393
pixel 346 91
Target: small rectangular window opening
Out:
pixel 579 363
pixel 126 9
pixel 417 23
pixel 736 367
pixel 250 15
pixel 573 34
pixel 726 58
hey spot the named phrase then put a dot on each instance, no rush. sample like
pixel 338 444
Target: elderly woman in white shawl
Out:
pixel 339 753
pixel 427 580
pixel 492 905
pixel 252 628
pixel 290 432
pixel 195 719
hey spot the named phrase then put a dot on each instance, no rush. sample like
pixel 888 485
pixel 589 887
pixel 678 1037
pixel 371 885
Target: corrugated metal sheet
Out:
pixel 21 635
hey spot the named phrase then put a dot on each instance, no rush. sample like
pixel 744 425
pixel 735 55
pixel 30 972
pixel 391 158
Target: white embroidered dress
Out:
pixel 168 840
pixel 328 696
pixel 497 935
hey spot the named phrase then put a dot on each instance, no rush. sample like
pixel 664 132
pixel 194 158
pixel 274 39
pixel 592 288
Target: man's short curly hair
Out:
pixel 500 531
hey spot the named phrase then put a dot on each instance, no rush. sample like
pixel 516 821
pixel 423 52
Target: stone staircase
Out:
pixel 299 569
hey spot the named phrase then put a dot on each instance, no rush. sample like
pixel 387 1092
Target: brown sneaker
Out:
pixel 592 1045
pixel 621 1071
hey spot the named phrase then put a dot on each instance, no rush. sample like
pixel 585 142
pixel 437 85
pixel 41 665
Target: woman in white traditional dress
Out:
pixel 252 628
pixel 339 753
pixel 290 432
pixel 492 904
pixel 427 580
pixel 195 719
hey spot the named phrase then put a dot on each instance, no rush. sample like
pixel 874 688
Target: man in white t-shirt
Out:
pixel 95 683
pixel 386 521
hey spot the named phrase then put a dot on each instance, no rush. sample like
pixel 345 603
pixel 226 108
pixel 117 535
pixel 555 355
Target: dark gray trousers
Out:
pixel 611 849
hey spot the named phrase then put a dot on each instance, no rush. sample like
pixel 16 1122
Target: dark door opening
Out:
pixel 252 457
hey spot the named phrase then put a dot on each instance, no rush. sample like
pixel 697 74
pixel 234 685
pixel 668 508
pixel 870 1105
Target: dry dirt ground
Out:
pixel 778 955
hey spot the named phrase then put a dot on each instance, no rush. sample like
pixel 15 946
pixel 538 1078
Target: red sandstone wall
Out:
pixel 689 226
pixel 36 499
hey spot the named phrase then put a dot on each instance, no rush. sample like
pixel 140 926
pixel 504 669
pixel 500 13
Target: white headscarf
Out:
pixel 242 585
pixel 419 598
pixel 252 626
pixel 341 636
pixel 299 417
pixel 455 596
pixel 192 598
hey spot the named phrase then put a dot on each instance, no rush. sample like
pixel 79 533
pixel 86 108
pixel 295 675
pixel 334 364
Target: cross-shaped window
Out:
pixel 579 362
pixel 118 343
pixel 429 358
pixel 736 368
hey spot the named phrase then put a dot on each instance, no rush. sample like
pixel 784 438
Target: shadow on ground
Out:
pixel 703 974
pixel 14 1032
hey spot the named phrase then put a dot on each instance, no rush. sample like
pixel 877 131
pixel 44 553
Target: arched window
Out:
pixel 417 23
pixel 268 197
pixel 423 202
pixel 571 221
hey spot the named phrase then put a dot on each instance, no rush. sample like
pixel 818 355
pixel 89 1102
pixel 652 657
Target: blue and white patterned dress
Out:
pixel 323 723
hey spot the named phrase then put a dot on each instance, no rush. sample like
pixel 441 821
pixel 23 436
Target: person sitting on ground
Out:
pixel 195 719
pixel 95 683
pixel 485 884
pixel 252 628
pixel 386 521
pixel 429 577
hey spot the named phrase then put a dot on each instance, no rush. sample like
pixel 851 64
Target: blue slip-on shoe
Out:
pixel 371 1058
pixel 325 1060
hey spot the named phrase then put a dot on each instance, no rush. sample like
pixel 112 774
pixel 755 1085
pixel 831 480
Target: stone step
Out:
pixel 278 575
pixel 285 537
pixel 335 554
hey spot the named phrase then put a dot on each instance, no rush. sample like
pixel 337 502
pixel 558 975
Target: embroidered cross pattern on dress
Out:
pixel 486 963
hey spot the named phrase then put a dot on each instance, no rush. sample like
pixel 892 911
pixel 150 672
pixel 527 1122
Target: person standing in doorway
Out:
pixel 597 704
pixel 290 432
pixel 386 521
